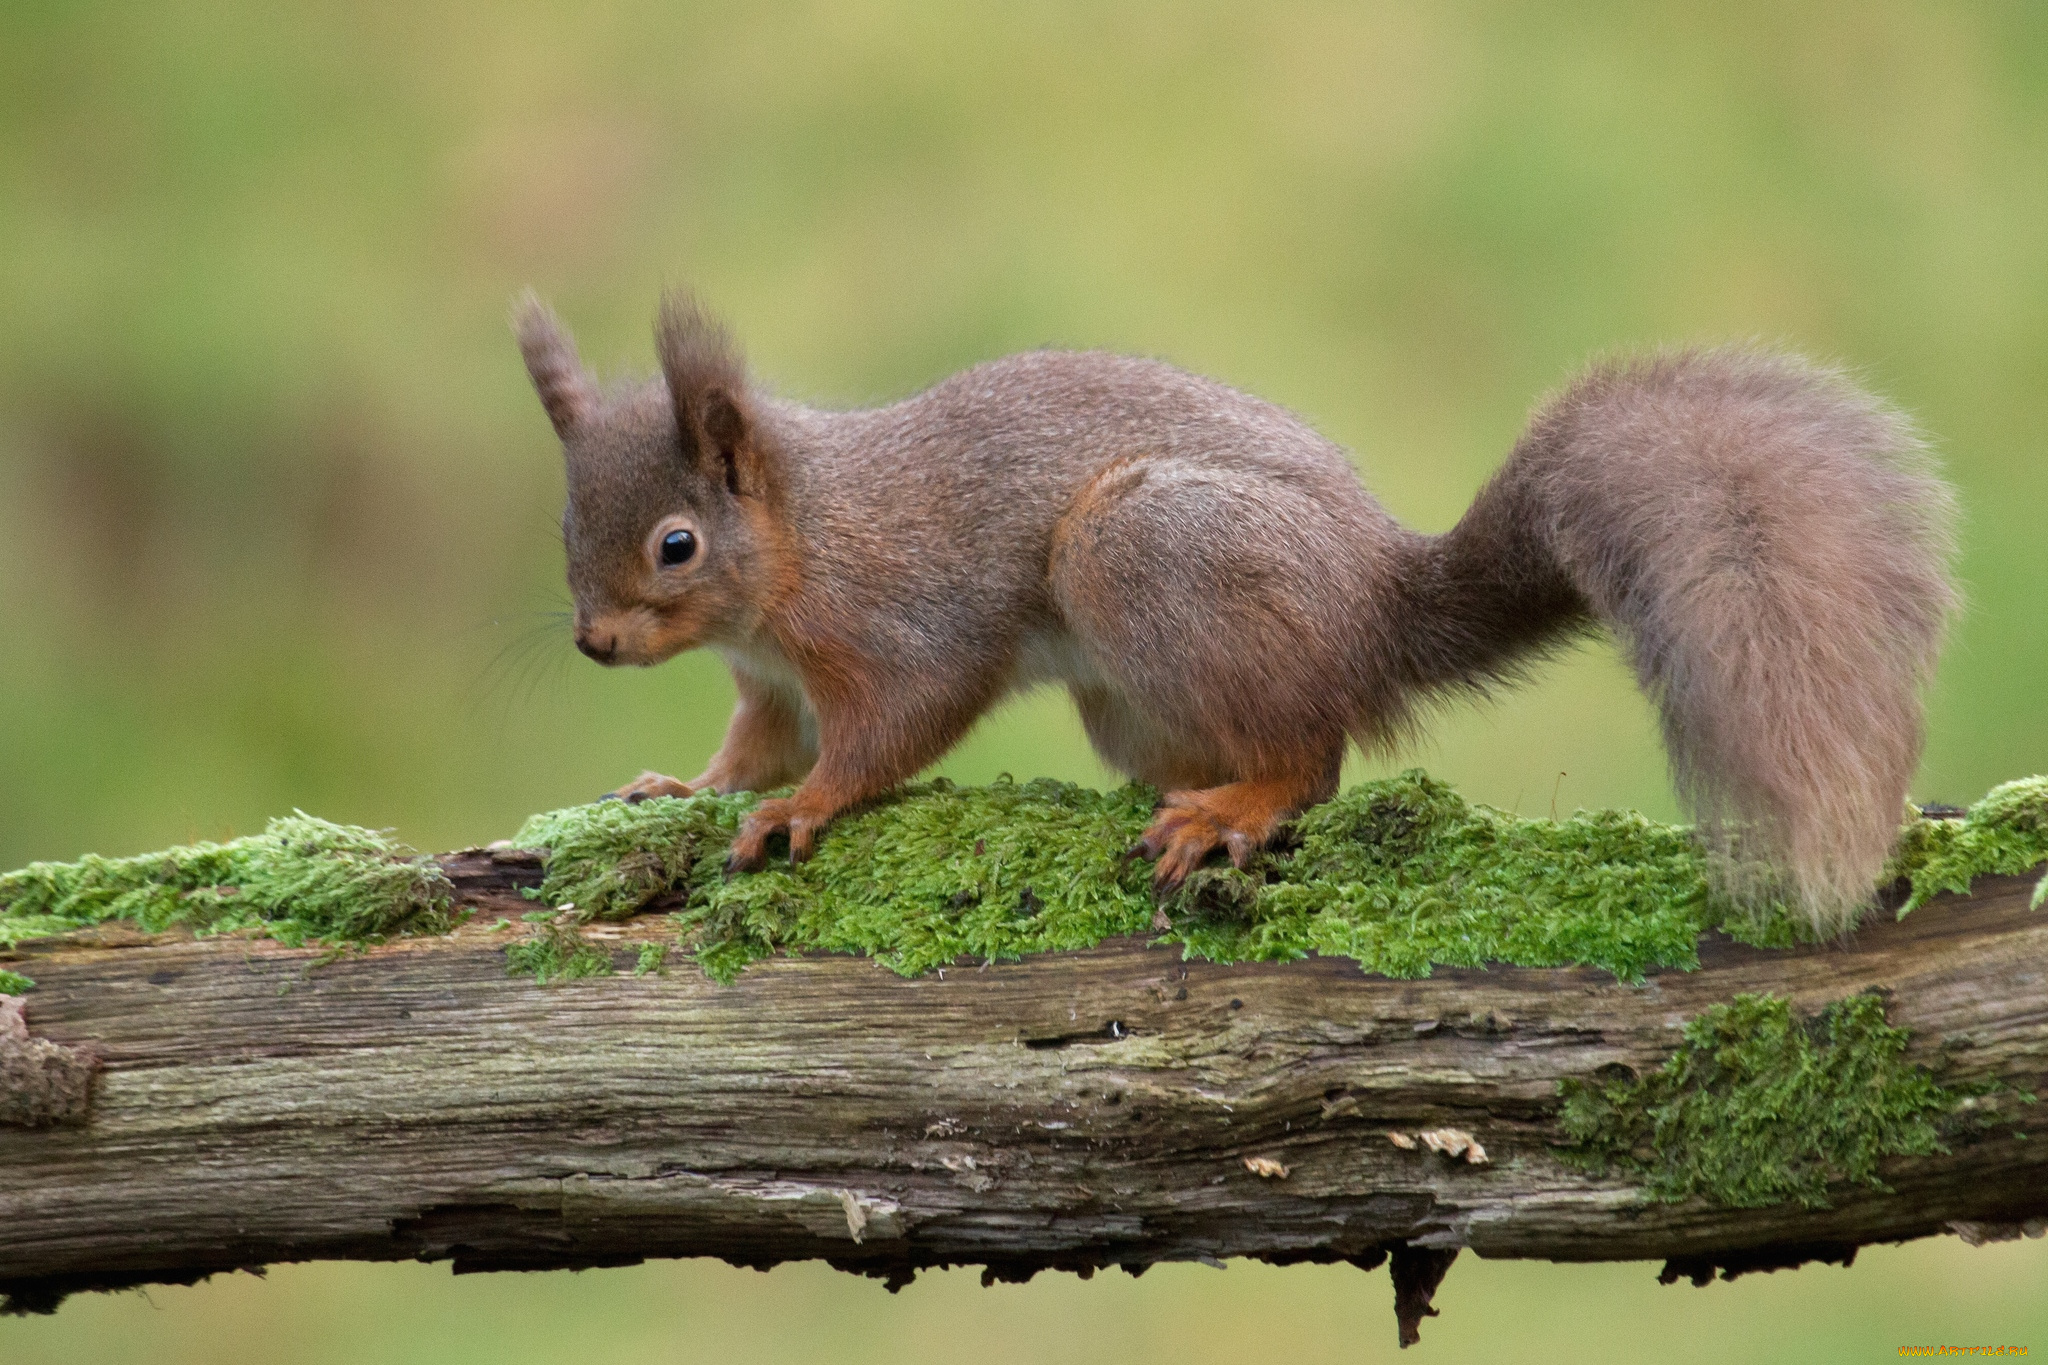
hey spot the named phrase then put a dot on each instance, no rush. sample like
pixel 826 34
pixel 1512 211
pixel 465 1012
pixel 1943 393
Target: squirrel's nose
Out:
pixel 604 653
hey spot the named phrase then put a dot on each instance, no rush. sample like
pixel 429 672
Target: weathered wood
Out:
pixel 256 1103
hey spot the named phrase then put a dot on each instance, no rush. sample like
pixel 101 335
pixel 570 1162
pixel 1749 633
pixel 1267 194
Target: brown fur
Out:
pixel 1770 544
pixel 1229 608
pixel 565 390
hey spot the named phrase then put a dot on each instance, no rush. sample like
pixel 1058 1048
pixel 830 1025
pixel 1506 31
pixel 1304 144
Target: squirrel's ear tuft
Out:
pixel 565 388
pixel 707 381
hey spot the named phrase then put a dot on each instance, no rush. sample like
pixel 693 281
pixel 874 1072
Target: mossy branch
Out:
pixel 1418 1025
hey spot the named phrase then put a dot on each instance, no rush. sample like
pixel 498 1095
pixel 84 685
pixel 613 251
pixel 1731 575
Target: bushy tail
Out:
pixel 1770 544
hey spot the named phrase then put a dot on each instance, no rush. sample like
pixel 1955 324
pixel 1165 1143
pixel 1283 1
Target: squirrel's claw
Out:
pixel 1179 840
pixel 1240 847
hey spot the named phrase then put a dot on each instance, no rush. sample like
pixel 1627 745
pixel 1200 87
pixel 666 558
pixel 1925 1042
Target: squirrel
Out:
pixel 1229 607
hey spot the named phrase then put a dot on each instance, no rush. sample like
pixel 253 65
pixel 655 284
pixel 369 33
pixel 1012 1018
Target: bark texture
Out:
pixel 196 1106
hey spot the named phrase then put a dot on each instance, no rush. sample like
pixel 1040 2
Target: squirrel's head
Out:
pixel 672 524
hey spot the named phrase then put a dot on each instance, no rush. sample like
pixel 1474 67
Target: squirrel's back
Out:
pixel 946 504
pixel 1039 424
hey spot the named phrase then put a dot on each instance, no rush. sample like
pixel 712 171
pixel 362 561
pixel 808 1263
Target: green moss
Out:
pixel 302 880
pixel 14 983
pixel 555 951
pixel 2005 833
pixel 653 959
pixel 608 859
pixel 936 874
pixel 1760 1105
pixel 1402 875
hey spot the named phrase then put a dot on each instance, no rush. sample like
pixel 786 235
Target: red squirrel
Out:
pixel 1228 606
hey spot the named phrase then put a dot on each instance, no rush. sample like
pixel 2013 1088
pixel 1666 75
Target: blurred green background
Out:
pixel 276 502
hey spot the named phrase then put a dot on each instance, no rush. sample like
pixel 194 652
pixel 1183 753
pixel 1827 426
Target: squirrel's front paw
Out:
pixel 777 815
pixel 651 784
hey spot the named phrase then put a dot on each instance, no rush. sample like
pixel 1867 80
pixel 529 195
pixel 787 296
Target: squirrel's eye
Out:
pixel 677 547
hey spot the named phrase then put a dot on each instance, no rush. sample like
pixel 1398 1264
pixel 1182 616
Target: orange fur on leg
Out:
pixel 874 732
pixel 1238 818
pixel 765 745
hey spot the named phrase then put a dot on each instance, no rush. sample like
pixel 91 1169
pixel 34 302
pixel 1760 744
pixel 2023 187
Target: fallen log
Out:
pixel 174 1106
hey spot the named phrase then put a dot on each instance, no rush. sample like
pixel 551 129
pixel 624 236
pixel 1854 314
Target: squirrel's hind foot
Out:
pixel 1237 818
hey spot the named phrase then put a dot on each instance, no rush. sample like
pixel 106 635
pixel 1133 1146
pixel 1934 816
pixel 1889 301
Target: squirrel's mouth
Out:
pixel 638 636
